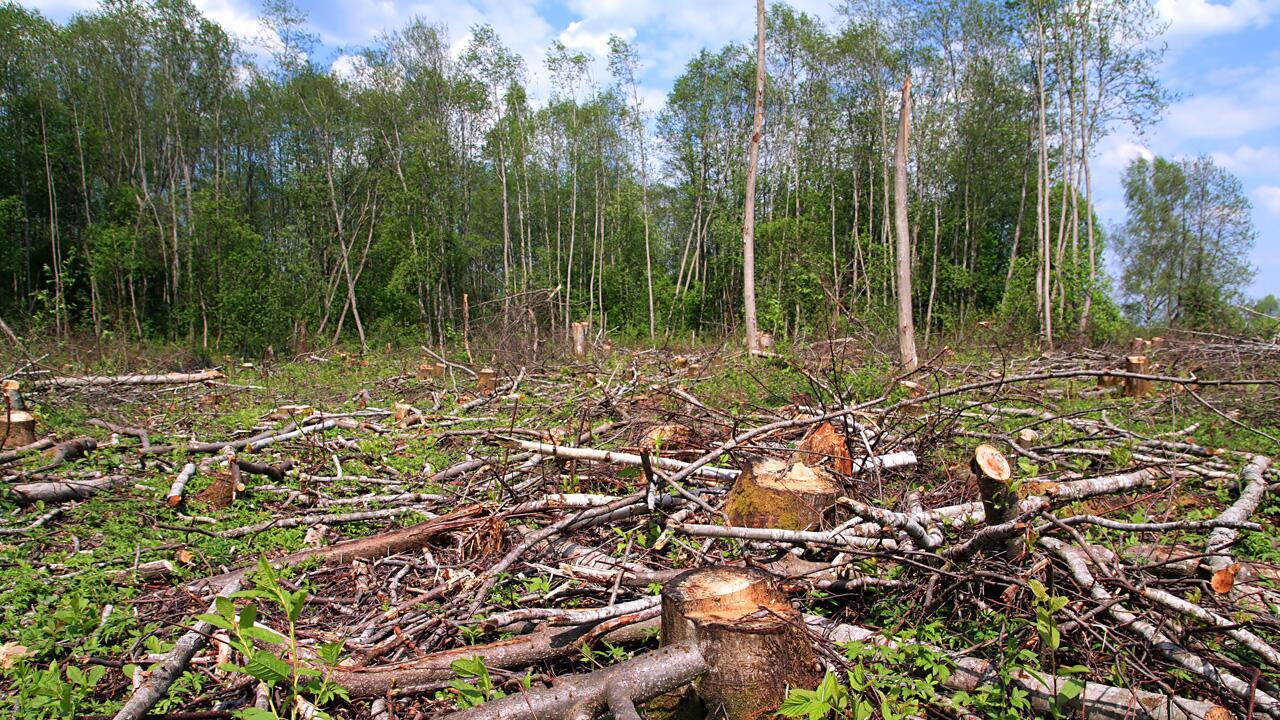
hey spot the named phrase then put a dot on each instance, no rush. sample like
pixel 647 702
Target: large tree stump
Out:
pixel 772 494
pixel 753 641
pixel 17 428
pixel 999 500
pixel 1136 387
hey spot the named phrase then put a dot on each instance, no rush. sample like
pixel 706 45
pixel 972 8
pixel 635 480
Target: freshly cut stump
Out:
pixel 999 500
pixel 1136 387
pixel 17 428
pixel 771 494
pixel 753 641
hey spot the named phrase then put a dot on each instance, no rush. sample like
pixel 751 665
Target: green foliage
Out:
pixel 279 667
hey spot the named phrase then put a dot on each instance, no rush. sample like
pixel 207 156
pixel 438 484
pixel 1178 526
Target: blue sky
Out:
pixel 1223 62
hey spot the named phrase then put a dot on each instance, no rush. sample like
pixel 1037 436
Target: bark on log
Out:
pixel 617 688
pixel 753 641
pixel 62 491
pixel 17 428
pixel 108 380
pixel 9 456
pixel 1221 538
pixel 769 494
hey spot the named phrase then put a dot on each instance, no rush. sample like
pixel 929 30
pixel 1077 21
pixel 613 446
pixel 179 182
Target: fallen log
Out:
pixel 173 378
pixel 884 462
pixel 9 456
pixel 64 490
pixel 1221 538
pixel 174 663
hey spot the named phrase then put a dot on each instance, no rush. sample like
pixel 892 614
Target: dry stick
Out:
pixel 560 616
pixel 1239 634
pixel 320 518
pixel 174 498
pixel 1150 527
pixel 922 538
pixel 173 665
pixel 1166 646
pixel 1241 510
pixel 256 442
pixel 46 517
pixel 107 380
pixel 433 671
pixel 143 438
pixel 794 537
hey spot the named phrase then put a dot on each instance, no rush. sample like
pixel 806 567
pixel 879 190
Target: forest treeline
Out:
pixel 158 181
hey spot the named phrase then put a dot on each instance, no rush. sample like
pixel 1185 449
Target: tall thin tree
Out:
pixel 906 324
pixel 749 204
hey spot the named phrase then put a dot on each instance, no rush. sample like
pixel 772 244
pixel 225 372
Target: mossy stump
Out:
pixel 772 494
pixel 754 642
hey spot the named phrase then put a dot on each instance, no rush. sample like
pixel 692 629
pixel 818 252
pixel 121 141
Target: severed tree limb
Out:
pixel 1078 565
pixel 375 546
pixel 795 537
pixel 174 498
pixel 1230 627
pixel 922 537
pixel 886 462
pixel 173 665
pixel 67 450
pixel 111 380
pixel 586 696
pixel 1255 487
pixel 9 456
pixel 64 490
pixel 559 616
pixel 434 671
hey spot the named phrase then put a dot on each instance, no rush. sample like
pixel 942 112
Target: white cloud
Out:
pixel 580 36
pixel 1268 198
pixel 1191 19
pixel 1229 109
pixel 1248 160
pixel 1117 153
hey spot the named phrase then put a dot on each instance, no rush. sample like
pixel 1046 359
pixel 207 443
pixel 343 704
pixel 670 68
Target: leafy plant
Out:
pixel 279 667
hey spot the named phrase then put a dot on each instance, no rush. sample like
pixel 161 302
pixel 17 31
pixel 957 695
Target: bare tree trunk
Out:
pixel 749 204
pixel 906 324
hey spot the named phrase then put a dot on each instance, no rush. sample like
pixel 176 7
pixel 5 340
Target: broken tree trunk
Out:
pixel 580 339
pixel 1134 386
pixel 999 500
pixel 753 641
pixel 771 494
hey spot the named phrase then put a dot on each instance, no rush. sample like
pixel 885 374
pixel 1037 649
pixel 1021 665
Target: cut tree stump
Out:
pixel 17 428
pixel 771 494
pixel 487 381
pixel 579 337
pixel 999 500
pixel 753 641
pixel 1136 387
